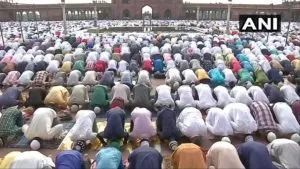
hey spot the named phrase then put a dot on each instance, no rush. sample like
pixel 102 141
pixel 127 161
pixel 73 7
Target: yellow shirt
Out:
pixel 66 67
pixel 229 59
pixel 188 155
pixel 296 64
pixel 201 74
pixel 58 95
pixel 8 159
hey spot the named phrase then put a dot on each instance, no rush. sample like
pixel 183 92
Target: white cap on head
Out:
pixel 145 143
pixel 97 110
pixel 271 137
pixel 35 145
pixel 226 139
pixel 295 137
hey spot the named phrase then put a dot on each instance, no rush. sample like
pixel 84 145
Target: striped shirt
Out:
pixel 263 116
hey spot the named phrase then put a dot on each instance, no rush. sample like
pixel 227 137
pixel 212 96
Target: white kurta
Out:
pixel 289 93
pixel 240 118
pixel 229 76
pixel 206 99
pixel 32 159
pixel 240 94
pixel 41 125
pixel 223 96
pixel 189 76
pixel 190 123
pixel 185 97
pixel 83 128
pixel 217 123
pixel 164 96
pixel 258 94
pixel 287 121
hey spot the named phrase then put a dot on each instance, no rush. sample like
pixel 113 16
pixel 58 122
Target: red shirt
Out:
pixel 100 66
pixel 291 57
pixel 147 65
pixel 236 66
pixel 269 58
pixel 117 50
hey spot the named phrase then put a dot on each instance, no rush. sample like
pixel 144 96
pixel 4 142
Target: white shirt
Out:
pixel 144 78
pixel 289 93
pixel 240 94
pixel 177 57
pixel 258 94
pixel 186 95
pixel 240 118
pixel 171 64
pixel 48 57
pixel 229 76
pixel 38 58
pixel 223 96
pixel 206 99
pixel 173 75
pixel 93 56
pixel 104 56
pixel 164 94
pixel 287 121
pixel 189 76
pixel 83 128
pixel 122 66
pixel 265 65
pixel 190 123
pixel 112 64
pixel 53 66
pixel 32 159
pixel 27 58
pixel 217 123
pixel 41 124
pixel 25 78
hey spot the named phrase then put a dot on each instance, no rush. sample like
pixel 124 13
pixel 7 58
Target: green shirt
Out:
pixel 100 96
pixel 245 76
pixel 261 77
pixel 11 122
pixel 79 65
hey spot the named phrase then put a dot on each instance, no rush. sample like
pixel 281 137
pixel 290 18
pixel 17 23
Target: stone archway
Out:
pixel 147 10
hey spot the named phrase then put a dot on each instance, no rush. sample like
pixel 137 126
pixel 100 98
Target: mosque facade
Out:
pixel 132 9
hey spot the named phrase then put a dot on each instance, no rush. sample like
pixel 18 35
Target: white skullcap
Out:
pixel 97 110
pixel 271 136
pixel 226 139
pixel 295 137
pixel 35 145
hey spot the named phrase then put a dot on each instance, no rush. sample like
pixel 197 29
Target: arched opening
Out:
pixel 168 14
pixel 76 15
pixel 37 15
pixel 147 10
pixel 69 15
pixel 30 16
pixel 126 14
pixel 24 16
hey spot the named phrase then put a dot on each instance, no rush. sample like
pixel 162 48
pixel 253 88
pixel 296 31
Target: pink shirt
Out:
pixel 143 128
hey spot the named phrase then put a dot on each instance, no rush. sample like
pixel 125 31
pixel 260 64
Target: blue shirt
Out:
pixel 114 129
pixel 216 77
pixel 145 157
pixel 255 155
pixel 69 160
pixel 109 158
pixel 159 66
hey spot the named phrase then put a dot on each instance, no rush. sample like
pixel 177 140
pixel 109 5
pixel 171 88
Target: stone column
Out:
pixel 197 13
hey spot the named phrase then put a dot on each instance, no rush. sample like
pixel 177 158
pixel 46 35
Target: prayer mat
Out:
pixel 66 144
pixel 22 142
